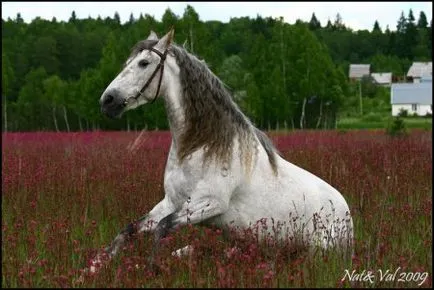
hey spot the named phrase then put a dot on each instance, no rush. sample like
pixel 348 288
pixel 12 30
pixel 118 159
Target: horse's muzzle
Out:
pixel 113 114
pixel 112 104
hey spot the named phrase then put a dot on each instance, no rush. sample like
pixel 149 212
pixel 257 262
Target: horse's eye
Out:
pixel 143 63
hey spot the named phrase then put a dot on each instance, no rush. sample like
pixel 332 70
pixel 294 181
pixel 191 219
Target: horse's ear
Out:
pixel 166 40
pixel 152 36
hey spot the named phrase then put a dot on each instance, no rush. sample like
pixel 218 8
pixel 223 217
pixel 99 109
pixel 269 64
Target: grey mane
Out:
pixel 212 118
pixel 269 148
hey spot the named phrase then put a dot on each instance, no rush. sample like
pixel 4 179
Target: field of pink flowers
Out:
pixel 66 195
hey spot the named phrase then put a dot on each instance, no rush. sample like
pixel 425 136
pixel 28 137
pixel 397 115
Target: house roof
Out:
pixel 359 70
pixel 419 69
pixel 411 93
pixel 382 78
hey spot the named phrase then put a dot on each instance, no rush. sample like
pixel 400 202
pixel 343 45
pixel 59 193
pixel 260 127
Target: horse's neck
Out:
pixel 175 111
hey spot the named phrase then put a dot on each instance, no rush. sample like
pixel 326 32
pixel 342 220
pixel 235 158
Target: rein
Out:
pixel 160 65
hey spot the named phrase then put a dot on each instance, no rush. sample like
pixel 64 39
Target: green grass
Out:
pixel 382 122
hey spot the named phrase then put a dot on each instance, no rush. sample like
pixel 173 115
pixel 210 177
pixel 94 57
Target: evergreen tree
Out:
pixel 19 19
pixel 422 22
pixel 314 23
pixel 329 24
pixel 131 19
pixel 376 28
pixel 410 18
pixel 338 24
pixel 400 47
pixel 422 48
pixel 379 42
pixel 73 17
pixel 402 24
pixel 117 18
pixel 410 36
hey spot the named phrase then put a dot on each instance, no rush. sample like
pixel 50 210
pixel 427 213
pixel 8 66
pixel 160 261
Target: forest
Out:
pixel 281 75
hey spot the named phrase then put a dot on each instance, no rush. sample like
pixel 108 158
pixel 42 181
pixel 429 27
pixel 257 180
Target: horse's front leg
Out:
pixel 193 211
pixel 147 223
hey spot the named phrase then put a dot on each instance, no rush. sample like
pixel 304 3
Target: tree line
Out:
pixel 281 75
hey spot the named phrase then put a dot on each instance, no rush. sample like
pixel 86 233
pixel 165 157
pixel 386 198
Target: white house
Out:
pixel 383 79
pixel 357 71
pixel 426 79
pixel 412 97
pixel 419 70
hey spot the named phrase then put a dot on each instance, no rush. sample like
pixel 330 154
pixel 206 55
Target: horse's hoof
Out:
pixel 186 251
pixel 154 267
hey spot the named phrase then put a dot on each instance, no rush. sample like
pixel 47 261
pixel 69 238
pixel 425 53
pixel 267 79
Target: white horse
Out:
pixel 220 169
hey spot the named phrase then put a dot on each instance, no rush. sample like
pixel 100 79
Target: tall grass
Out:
pixel 66 195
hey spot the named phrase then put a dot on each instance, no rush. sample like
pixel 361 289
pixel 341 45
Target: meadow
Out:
pixel 66 195
pixel 378 121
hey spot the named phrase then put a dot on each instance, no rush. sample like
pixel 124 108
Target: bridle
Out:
pixel 160 65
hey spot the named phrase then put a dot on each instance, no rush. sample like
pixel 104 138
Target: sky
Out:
pixel 356 15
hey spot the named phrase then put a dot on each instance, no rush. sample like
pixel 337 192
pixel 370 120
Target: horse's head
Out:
pixel 145 75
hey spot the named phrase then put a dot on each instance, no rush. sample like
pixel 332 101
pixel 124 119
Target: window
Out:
pixel 414 107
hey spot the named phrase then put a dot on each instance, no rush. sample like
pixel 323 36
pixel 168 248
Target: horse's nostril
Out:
pixel 108 100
